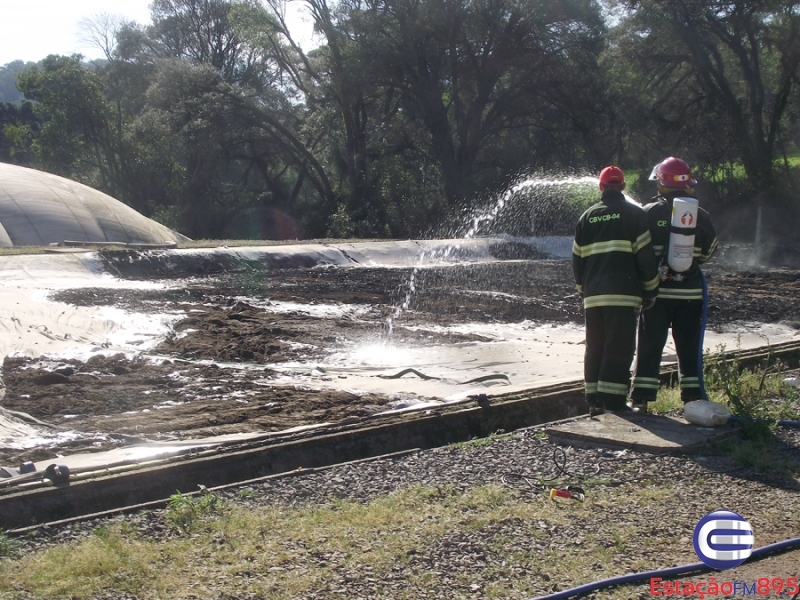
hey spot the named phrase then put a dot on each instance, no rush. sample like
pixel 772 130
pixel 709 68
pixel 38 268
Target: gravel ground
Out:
pixel 658 534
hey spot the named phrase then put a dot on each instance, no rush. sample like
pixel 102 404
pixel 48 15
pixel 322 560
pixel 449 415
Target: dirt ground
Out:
pixel 176 397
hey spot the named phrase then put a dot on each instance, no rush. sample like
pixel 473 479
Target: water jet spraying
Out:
pixel 535 207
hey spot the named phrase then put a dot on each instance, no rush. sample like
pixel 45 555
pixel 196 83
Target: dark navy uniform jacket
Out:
pixel 613 261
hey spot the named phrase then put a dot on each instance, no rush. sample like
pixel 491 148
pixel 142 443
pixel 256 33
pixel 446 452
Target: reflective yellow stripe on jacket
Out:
pixel 602 247
pixel 612 300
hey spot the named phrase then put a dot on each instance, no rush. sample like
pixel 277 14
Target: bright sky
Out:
pixel 32 29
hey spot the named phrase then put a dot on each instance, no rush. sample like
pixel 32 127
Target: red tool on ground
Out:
pixel 571 492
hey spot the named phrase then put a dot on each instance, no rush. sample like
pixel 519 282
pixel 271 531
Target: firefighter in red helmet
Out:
pixel 683 238
pixel 615 268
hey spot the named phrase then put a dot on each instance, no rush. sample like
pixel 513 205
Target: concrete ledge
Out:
pixel 648 433
pixel 25 508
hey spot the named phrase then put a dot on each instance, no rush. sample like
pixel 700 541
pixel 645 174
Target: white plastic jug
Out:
pixel 681 238
pixel 705 413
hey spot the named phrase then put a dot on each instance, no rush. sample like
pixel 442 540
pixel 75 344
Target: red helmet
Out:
pixel 611 176
pixel 673 173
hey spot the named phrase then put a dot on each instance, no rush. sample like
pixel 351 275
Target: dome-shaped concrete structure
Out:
pixel 39 209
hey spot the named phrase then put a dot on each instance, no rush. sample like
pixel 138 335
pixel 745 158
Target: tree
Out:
pixel 8 82
pixel 210 32
pixel 466 94
pixel 247 111
pixel 719 74
pixel 18 126
pixel 341 108
pixel 81 133
pixel 484 74
pixel 205 116
pixel 232 140
pixel 410 112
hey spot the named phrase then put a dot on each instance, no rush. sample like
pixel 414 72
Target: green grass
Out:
pixel 293 550
pixel 484 441
pixel 755 392
pixel 668 400
pixel 737 173
pixel 289 552
pixel 755 448
pixel 759 395
pixel 8 546
pixel 21 250
pixel 188 513
pixel 792 159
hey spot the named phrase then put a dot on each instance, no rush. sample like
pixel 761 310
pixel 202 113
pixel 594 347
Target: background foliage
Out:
pixel 411 114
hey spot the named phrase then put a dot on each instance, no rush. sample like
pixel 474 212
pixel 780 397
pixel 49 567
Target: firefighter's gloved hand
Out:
pixel 648 303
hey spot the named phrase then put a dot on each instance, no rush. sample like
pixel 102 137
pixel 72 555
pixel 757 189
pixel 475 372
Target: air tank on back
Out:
pixel 681 236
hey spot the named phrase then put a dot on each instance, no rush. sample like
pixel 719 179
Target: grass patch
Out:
pixel 761 452
pixel 792 159
pixel 291 552
pixel 8 546
pixel 735 171
pixel 187 512
pixel 668 400
pixel 482 442
pixel 18 250
pixel 79 571
pixel 407 543
pixel 757 392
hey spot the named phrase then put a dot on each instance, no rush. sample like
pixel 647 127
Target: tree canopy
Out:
pixel 215 121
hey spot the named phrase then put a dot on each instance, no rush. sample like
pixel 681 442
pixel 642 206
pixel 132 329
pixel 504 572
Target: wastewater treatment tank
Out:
pixel 39 209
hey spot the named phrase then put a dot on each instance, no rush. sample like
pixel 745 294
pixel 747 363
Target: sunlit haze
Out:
pixel 31 30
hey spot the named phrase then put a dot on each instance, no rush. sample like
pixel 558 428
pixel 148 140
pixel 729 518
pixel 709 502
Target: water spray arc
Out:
pixel 530 192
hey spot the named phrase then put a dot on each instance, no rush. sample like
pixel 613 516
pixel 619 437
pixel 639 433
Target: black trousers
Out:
pixel 610 345
pixel 685 319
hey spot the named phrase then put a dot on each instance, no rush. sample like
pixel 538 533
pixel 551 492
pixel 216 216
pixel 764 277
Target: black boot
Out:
pixel 596 408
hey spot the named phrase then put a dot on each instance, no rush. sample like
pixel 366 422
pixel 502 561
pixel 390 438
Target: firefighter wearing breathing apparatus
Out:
pixel 615 268
pixel 683 239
